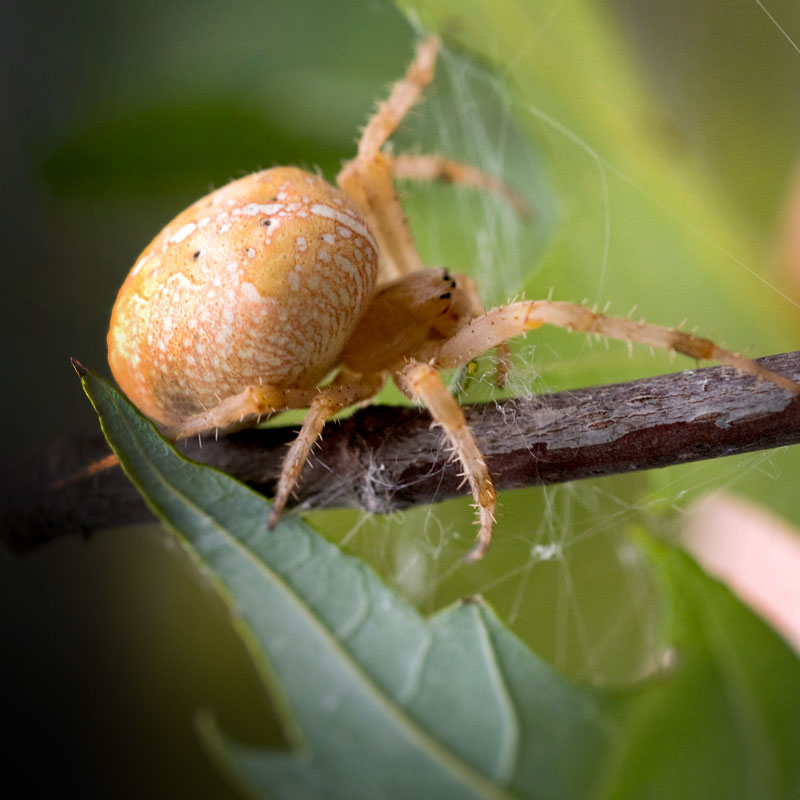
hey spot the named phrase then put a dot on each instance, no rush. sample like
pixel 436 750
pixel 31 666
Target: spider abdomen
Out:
pixel 259 283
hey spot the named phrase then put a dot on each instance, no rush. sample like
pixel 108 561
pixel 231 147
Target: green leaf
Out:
pixel 383 703
pixel 380 702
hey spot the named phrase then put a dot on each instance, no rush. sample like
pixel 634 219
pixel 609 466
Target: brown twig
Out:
pixel 387 458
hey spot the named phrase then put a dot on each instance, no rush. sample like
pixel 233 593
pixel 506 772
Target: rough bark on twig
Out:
pixel 387 458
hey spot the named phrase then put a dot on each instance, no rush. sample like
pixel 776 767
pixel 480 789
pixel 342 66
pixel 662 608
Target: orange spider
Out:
pixel 251 297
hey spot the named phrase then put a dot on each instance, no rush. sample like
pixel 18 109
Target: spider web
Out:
pixel 562 570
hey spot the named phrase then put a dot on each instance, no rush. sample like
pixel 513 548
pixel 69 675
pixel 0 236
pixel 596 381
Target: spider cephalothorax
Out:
pixel 253 295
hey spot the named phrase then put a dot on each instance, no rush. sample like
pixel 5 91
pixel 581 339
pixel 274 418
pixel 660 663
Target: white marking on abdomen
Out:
pixel 251 209
pixel 140 264
pixel 343 219
pixel 183 232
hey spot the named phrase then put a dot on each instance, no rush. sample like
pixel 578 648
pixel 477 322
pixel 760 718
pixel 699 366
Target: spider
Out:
pixel 249 301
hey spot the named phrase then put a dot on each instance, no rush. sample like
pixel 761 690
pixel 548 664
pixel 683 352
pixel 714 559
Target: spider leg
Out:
pixel 430 167
pixel 422 381
pixel 367 179
pixel 404 95
pixel 241 410
pixel 512 320
pixel 346 390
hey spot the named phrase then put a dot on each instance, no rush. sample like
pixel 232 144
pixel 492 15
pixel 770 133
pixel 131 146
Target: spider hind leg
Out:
pixel 241 410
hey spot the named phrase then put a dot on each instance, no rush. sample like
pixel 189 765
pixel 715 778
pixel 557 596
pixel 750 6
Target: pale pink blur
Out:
pixel 756 554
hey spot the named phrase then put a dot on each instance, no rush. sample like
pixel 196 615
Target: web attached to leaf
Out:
pixel 563 569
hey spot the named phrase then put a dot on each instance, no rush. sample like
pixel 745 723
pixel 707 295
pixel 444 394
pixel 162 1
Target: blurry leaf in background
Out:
pixel 641 222
pixel 726 75
pixel 790 240
pixel 717 726
pixel 163 146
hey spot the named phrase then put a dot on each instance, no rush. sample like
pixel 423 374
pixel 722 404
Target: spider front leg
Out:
pixel 422 382
pixel 512 320
pixel 367 179
pixel 346 390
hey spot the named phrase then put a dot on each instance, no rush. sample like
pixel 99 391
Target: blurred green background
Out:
pixel 115 117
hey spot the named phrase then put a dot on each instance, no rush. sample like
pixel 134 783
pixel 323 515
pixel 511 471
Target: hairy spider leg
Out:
pixel 512 320
pixel 367 179
pixel 422 382
pixel 242 410
pixel 346 390
pixel 431 167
